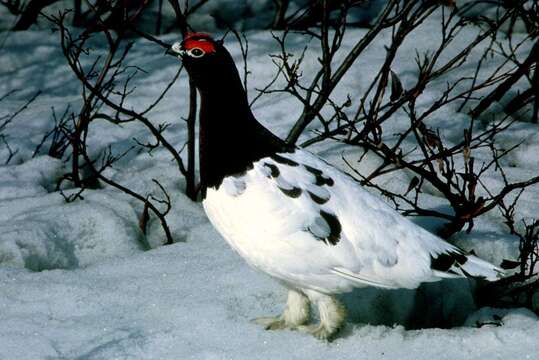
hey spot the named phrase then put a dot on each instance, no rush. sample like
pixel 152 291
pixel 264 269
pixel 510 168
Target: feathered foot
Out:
pixel 332 317
pixel 297 313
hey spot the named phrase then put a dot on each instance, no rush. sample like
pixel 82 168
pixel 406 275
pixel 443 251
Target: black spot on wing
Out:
pixel 318 199
pixel 461 258
pixel 274 170
pixel 334 226
pixel 445 261
pixel 320 178
pixel 324 180
pixel 313 170
pixel 293 192
pixel 282 160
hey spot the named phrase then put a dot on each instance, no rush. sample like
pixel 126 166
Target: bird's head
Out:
pixel 194 46
pixel 205 59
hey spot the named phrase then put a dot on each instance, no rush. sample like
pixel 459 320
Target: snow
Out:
pixel 80 280
pixel 173 303
pixel 50 234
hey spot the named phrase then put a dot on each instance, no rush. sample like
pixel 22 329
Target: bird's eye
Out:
pixel 196 52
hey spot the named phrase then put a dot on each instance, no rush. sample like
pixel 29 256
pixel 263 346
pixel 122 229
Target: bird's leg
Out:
pixel 332 316
pixel 297 313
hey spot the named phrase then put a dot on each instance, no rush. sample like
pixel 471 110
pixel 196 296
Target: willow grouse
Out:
pixel 292 215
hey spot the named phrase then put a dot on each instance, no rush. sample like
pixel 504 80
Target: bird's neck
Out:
pixel 231 139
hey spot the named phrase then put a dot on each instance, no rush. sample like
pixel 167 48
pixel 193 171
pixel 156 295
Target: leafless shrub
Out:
pixel 106 87
pixel 96 14
pixel 11 151
pixel 449 169
pixel 8 118
pixel 279 19
pixel 433 161
pixel 520 288
pixel 27 12
pixel 57 139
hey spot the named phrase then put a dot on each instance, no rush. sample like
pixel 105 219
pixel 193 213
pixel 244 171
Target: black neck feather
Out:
pixel 231 139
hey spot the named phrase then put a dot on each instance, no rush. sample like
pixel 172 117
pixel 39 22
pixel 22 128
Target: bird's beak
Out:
pixel 176 50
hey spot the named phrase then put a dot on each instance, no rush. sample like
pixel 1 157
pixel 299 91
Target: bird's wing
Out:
pixel 327 223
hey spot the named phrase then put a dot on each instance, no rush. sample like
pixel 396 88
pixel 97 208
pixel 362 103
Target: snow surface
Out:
pixel 79 280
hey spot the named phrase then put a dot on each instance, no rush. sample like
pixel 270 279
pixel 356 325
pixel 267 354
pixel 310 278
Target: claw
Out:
pixel 318 331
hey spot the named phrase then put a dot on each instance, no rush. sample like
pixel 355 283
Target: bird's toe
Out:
pixel 271 322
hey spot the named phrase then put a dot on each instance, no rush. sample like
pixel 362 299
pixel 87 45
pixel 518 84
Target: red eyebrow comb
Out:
pixel 202 41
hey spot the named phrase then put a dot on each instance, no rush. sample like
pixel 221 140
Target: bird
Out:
pixel 292 215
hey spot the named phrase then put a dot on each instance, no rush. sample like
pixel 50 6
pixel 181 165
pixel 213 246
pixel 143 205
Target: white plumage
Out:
pixel 316 230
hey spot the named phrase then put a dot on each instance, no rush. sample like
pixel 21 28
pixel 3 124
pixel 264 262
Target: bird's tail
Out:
pixel 456 263
pixel 476 267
